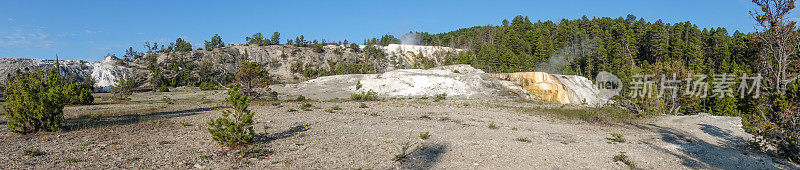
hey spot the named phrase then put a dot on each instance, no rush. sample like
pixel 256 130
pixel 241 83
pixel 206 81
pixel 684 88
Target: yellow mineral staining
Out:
pixel 539 85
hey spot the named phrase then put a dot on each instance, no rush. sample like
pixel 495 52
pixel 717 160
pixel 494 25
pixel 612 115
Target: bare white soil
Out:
pixel 147 133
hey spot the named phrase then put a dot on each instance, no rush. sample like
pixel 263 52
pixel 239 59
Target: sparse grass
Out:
pixel 85 143
pixel 625 159
pixel 440 97
pixel 32 152
pixel 362 105
pixel 424 135
pixel 133 159
pixel 300 98
pixel 167 100
pixel 493 126
pixel 73 160
pixel 90 117
pixel 425 117
pixel 523 139
pixel 185 124
pixel 306 106
pixel 618 137
pixel 291 110
pixel 514 129
pixel 257 151
pixel 402 151
pixel 333 109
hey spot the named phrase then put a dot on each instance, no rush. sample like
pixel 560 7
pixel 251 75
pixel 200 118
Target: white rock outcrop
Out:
pixel 104 73
pixel 457 81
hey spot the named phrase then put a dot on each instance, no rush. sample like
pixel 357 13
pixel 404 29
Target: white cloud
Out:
pixel 25 37
pixel 11 19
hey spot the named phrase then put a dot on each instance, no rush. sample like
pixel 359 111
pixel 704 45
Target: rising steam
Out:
pixel 410 39
pixel 561 59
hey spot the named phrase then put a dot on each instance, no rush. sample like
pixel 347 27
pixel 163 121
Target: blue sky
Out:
pixel 90 29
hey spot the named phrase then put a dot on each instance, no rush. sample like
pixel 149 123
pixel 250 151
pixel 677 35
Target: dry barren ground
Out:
pixel 149 133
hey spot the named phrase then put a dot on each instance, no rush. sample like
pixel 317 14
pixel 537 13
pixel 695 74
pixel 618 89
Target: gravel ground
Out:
pixel 148 133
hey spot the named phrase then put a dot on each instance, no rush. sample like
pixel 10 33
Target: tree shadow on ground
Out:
pixel 267 138
pixel 720 133
pixel 731 153
pixel 104 121
pixel 260 149
pixel 425 157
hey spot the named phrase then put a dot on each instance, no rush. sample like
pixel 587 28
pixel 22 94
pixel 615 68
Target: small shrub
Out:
pixel 184 124
pixel 424 135
pixel 300 98
pixel 618 137
pixel 237 131
pixel 365 96
pixel 291 110
pixel 167 100
pixel 358 85
pixel 402 151
pixel 208 86
pixel 362 105
pixel 523 139
pixel 625 159
pixel 306 106
pixel 122 88
pixel 329 110
pixel 336 108
pixel 73 160
pixel 32 152
pixel 34 102
pixel 514 129
pixel 163 89
pixel 440 97
pixel 77 94
pixel 493 126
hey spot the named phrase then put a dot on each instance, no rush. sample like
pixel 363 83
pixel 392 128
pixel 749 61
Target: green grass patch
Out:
pixel 603 115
